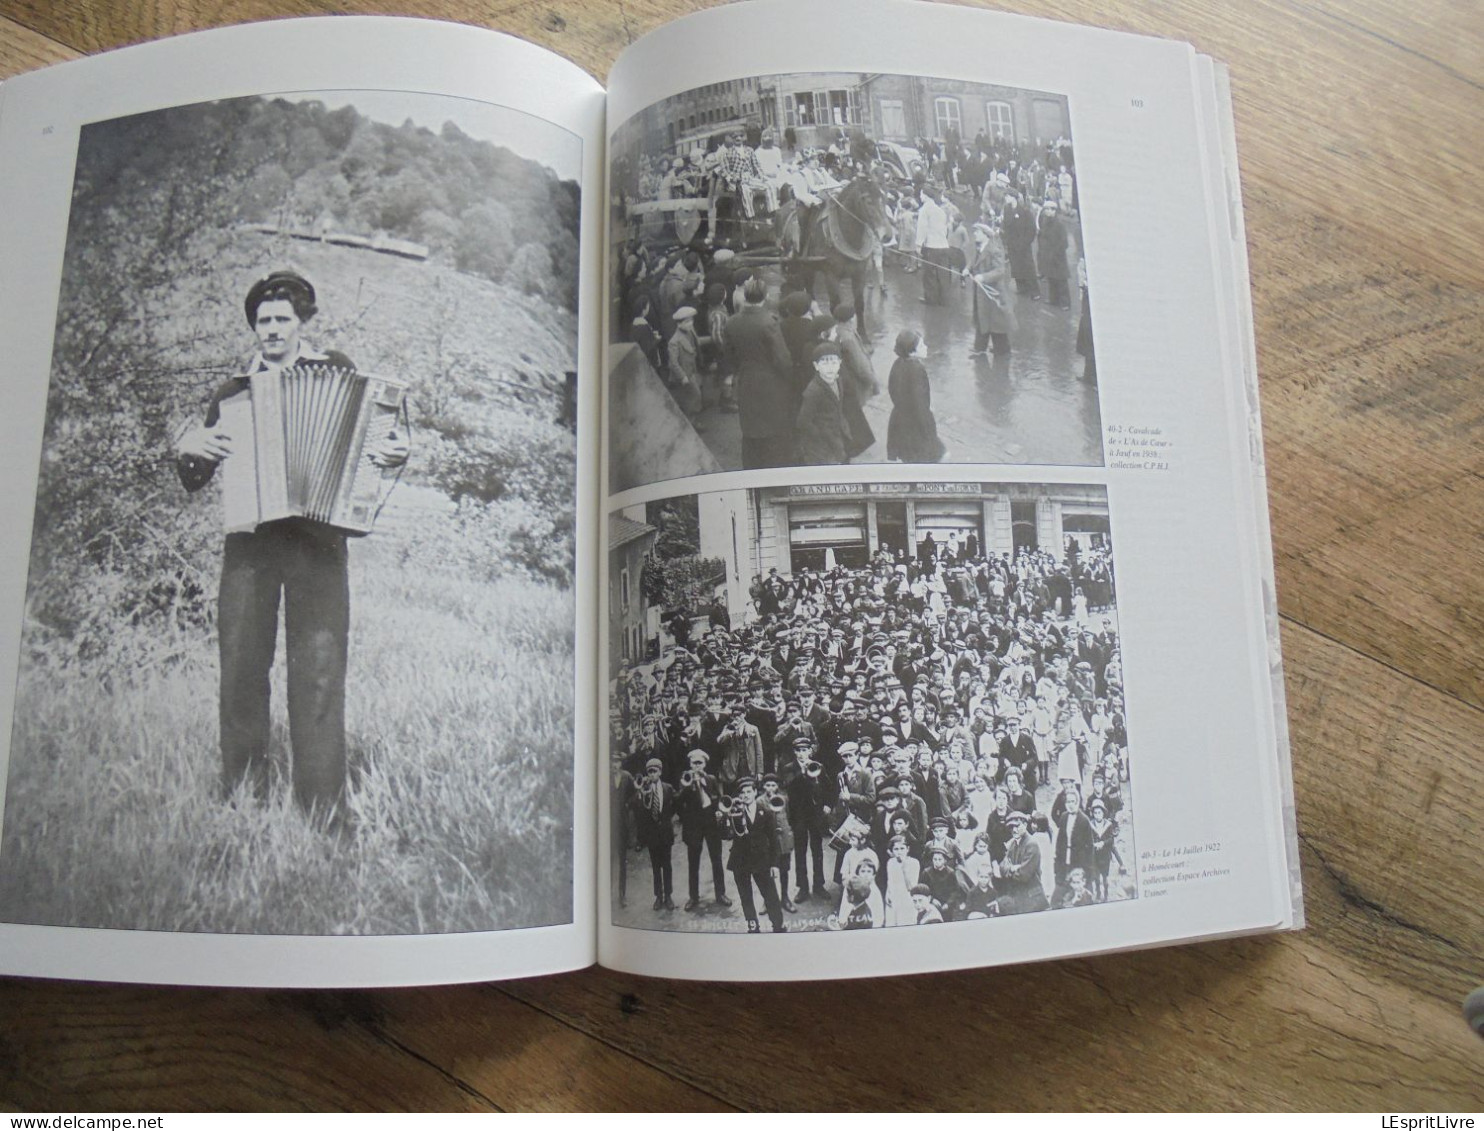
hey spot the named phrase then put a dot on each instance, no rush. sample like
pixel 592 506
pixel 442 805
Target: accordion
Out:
pixel 301 442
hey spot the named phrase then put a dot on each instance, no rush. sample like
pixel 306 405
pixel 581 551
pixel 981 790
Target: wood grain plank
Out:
pixel 467 1048
pixel 1448 34
pixel 111 1048
pixel 22 49
pixel 503 1047
pixel 1373 425
pixel 1219 1025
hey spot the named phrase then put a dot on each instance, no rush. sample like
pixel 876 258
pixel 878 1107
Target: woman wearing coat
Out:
pixel 990 273
pixel 858 382
pixel 1019 227
pixel 911 432
pixel 1051 255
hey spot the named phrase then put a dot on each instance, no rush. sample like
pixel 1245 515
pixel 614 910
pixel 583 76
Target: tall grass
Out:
pixel 460 724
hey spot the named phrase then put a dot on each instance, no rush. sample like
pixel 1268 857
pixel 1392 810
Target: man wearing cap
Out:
pixel 741 749
pixel 1018 875
pixel 754 835
pixel 297 561
pixel 793 729
pixel 994 316
pixel 1018 749
pixel 654 813
pixel 763 366
pixel 809 812
pixel 695 803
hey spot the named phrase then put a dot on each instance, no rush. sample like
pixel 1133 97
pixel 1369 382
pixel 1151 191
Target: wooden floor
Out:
pixel 1361 132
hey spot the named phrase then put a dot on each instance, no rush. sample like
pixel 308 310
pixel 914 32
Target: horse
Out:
pixel 841 235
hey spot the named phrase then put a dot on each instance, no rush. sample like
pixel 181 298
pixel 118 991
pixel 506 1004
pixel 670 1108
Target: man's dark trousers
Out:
pixel 711 841
pixel 305 561
pixel 769 891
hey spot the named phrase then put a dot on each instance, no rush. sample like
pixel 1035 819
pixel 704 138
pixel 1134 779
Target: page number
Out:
pixel 1136 103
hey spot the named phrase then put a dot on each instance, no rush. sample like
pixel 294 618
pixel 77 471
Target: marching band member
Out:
pixel 753 831
pixel 696 805
pixel 654 812
pixel 809 813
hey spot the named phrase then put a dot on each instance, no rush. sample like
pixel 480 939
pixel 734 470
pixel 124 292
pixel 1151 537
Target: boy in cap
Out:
pixel 941 878
pixel 821 435
pixel 923 905
pixel 685 361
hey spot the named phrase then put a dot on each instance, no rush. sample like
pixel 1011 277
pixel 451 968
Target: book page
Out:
pixel 340 736
pixel 934 579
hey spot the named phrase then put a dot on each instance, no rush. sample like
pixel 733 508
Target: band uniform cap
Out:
pixel 849 748
pixel 1013 815
pixel 701 754
pixel 278 280
pixel 802 742
pixel 745 780
pixel 685 313
pixel 940 823
pixel 654 764
pixel 766 778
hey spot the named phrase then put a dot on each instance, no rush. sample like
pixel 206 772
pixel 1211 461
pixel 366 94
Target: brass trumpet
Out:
pixel 813 769
pixel 687 779
pixel 776 803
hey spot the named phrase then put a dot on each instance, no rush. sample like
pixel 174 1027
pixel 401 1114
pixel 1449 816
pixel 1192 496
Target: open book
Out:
pixel 799 513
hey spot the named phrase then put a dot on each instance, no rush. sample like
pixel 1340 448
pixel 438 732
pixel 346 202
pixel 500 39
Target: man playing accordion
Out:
pixel 298 561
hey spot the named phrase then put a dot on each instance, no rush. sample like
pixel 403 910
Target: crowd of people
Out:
pixel 733 334
pixel 925 739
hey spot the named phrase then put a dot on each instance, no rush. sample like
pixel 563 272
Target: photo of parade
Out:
pixel 834 268
pixel 865 705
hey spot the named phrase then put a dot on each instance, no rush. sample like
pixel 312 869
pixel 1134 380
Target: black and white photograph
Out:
pixel 298 655
pixel 862 705
pixel 834 268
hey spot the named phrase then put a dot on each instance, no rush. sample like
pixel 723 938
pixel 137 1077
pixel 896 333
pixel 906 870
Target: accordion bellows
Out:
pixel 301 441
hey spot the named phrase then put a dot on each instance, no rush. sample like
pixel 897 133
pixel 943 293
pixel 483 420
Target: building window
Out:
pixel 623 591
pixel 840 108
pixel 946 112
pixel 893 118
pixel 1000 120
pixel 801 109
